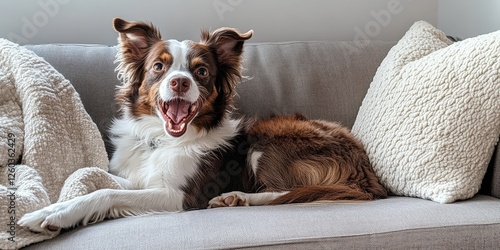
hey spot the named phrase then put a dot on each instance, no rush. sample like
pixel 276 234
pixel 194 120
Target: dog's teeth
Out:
pixel 182 126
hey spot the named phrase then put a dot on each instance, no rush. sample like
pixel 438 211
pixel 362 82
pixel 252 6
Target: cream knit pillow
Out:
pixel 431 116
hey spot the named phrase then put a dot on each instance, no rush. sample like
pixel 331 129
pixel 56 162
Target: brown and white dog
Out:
pixel 179 148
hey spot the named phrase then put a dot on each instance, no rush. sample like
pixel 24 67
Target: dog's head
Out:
pixel 183 83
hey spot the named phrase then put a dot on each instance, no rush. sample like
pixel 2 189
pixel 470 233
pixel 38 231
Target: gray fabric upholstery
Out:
pixel 324 80
pixel 388 224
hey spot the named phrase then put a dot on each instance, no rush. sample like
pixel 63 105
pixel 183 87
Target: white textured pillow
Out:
pixel 431 116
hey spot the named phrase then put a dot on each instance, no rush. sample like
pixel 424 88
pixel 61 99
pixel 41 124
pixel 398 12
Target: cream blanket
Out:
pixel 45 136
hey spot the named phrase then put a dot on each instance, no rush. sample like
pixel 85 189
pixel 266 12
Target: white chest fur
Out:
pixel 150 158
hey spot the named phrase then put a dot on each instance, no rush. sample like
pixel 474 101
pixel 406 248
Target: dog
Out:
pixel 178 146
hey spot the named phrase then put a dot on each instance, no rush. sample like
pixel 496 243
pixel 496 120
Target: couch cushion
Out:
pixel 322 80
pixel 430 119
pixel 388 223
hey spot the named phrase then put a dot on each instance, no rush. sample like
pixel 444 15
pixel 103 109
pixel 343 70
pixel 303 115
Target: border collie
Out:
pixel 178 146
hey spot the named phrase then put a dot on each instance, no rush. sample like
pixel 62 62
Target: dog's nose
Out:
pixel 179 84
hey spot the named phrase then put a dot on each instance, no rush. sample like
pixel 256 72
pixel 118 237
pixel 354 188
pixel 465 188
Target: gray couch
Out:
pixel 325 80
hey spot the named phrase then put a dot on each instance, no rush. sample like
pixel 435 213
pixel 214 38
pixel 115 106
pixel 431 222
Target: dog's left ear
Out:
pixel 228 42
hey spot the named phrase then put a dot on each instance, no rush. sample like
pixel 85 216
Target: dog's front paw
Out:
pixel 231 199
pixel 49 219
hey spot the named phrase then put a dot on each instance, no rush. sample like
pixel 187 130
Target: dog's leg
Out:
pixel 124 183
pixel 104 203
pixel 236 198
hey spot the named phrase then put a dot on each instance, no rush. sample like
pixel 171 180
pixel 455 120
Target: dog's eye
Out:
pixel 158 66
pixel 202 71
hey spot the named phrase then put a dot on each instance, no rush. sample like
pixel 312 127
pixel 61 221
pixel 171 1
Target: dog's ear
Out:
pixel 134 41
pixel 136 36
pixel 227 43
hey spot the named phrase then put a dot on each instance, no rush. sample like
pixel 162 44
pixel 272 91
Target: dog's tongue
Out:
pixel 178 110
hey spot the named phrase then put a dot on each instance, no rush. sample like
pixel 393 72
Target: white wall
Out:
pixel 89 21
pixel 468 18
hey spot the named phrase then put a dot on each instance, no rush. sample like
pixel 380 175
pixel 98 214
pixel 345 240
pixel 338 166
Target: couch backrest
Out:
pixel 322 80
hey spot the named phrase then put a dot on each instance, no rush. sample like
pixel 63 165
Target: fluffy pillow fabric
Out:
pixel 431 116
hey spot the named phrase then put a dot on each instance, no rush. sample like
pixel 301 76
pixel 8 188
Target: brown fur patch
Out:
pixel 314 160
pixel 206 112
pixel 139 93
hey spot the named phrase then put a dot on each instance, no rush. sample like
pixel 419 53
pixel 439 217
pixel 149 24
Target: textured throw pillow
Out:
pixel 431 116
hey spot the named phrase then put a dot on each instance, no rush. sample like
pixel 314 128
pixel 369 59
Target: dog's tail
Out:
pixel 336 192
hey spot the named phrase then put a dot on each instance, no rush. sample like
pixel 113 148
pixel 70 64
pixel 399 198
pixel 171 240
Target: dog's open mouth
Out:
pixel 177 114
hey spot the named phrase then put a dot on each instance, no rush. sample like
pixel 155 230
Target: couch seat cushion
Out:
pixel 388 223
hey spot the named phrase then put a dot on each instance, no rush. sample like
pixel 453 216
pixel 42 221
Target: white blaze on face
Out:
pixel 179 68
pixel 178 108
